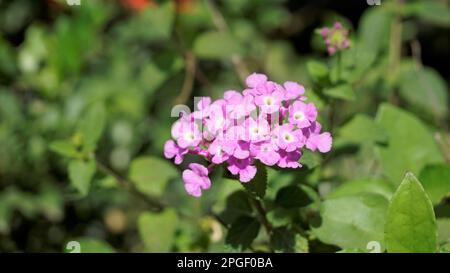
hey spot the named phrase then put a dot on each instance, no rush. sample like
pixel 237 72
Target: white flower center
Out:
pixel 268 101
pixel 288 137
pixel 255 130
pixel 299 116
pixel 219 122
pixel 189 136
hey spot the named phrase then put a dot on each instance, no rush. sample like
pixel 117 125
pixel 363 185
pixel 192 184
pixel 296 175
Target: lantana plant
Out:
pixel 336 38
pixel 267 122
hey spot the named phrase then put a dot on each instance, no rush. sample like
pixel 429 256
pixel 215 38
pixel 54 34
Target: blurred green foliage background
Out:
pixel 86 94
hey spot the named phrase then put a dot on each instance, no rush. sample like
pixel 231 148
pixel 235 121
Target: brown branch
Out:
pixel 188 84
pixel 220 23
pixel 416 50
pixel 152 201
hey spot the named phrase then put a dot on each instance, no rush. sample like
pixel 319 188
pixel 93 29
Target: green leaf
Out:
pixel 433 12
pixel 352 250
pixel 80 174
pixel 436 182
pixel 64 148
pixel 355 187
pixel 445 248
pixel 317 70
pixel 374 30
pixel 301 244
pixel 283 239
pixel 425 89
pixel 5 217
pixel 342 91
pixel 216 45
pixel 257 186
pixel 242 232
pixel 353 221
pixel 411 146
pixel 310 159
pixel 237 205
pixel 410 221
pixel 157 230
pixel 292 196
pixel 151 174
pixel 443 227
pixel 91 245
pixel 361 129
pixel 92 125
pixel 161 19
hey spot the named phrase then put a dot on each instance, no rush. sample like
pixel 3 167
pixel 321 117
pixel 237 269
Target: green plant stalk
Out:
pixel 395 46
pixel 262 215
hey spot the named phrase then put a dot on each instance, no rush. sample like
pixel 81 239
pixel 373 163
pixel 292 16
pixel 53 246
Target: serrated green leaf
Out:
pixel 216 45
pixel 242 232
pixel 283 239
pixel 292 196
pixel 410 221
pixel 310 159
pixel 257 186
pixel 411 146
pixel 151 174
pixel 353 221
pixel 237 205
pixel 80 174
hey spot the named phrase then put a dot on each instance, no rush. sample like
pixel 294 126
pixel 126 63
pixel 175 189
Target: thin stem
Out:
pixel 188 83
pixel 395 44
pixel 262 214
pixel 221 25
pixel 153 202
pixel 338 65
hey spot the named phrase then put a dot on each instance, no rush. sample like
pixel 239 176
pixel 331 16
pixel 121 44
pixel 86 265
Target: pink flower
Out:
pixel 302 114
pixel 216 149
pixel 266 122
pixel 238 106
pixel 266 152
pixel 255 80
pixel 203 108
pixel 256 130
pixel 336 38
pixel 196 179
pixel 269 101
pixel 288 138
pixel 172 150
pixel 243 168
pixel 293 90
pixel 289 159
pixel 322 142
pixel 186 132
pixel 239 149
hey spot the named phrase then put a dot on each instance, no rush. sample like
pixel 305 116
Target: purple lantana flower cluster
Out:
pixel 267 122
pixel 336 38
